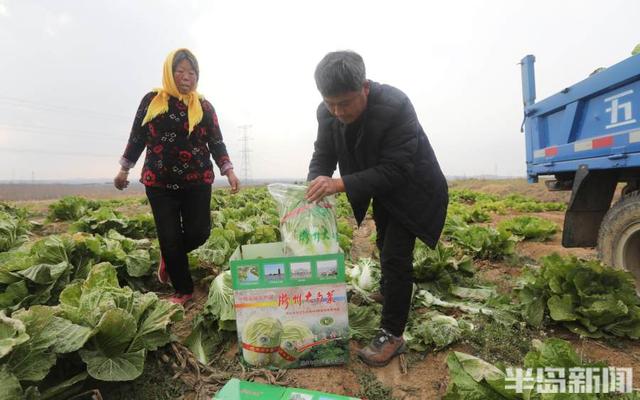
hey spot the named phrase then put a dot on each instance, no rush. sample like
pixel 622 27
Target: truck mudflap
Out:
pixel 590 200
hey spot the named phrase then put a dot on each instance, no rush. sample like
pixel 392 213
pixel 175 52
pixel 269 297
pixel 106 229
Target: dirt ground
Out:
pixel 505 187
pixel 50 191
pixel 24 191
pixel 425 377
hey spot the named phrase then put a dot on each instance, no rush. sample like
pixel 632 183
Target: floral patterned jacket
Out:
pixel 174 158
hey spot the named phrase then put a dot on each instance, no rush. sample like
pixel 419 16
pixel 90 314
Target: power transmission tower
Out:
pixel 246 171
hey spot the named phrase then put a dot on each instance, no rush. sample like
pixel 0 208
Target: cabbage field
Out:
pixel 82 315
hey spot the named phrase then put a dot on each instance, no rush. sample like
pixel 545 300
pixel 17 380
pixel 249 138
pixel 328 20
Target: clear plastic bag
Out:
pixel 307 228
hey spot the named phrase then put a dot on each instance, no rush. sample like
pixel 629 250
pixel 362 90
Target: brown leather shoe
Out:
pixel 377 297
pixel 383 347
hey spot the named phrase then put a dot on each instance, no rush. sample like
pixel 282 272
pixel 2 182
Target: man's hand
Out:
pixel 121 181
pixel 323 186
pixel 234 182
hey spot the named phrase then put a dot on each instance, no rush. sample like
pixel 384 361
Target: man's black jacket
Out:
pixel 392 162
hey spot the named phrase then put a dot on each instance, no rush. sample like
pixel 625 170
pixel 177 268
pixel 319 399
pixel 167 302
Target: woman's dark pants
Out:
pixel 396 261
pixel 183 223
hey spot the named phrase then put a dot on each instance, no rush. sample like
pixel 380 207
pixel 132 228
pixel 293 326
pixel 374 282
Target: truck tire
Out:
pixel 619 235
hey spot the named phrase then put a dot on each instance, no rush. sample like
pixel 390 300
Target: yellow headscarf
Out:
pixel 160 103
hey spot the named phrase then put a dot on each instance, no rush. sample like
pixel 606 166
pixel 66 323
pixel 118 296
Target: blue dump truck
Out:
pixel 586 139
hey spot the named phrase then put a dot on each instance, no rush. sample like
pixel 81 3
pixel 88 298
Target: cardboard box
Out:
pixel 242 390
pixel 291 312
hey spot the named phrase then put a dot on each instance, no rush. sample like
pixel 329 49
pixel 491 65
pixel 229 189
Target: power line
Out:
pixel 245 152
pixel 56 153
pixel 29 104
pixel 60 132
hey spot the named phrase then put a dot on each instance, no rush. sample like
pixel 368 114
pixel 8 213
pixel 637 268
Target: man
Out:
pixel 372 132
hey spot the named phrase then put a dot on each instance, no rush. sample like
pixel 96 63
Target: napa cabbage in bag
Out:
pixel 308 228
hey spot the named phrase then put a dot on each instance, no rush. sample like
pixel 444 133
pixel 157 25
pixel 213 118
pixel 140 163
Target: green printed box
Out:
pixel 236 389
pixel 303 394
pixel 291 311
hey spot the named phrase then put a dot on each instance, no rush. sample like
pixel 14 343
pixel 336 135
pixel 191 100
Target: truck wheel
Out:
pixel 619 235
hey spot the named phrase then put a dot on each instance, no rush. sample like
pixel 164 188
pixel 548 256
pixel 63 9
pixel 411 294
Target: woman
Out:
pixel 179 129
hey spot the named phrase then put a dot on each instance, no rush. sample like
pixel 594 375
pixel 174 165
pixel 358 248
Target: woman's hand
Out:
pixel 233 181
pixel 121 181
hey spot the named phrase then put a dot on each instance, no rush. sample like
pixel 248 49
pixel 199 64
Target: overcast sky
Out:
pixel 72 73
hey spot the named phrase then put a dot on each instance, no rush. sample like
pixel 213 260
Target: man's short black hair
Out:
pixel 340 72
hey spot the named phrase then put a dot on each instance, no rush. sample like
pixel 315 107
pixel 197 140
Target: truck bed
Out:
pixel 595 122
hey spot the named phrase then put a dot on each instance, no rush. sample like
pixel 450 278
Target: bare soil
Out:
pixel 24 191
pixel 427 378
pixel 505 187
pixel 423 376
pixel 182 329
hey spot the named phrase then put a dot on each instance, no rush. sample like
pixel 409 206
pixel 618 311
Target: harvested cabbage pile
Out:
pixel 363 276
pixel 220 301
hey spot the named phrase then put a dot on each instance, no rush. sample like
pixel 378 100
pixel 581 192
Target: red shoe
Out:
pixel 180 298
pixel 163 276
